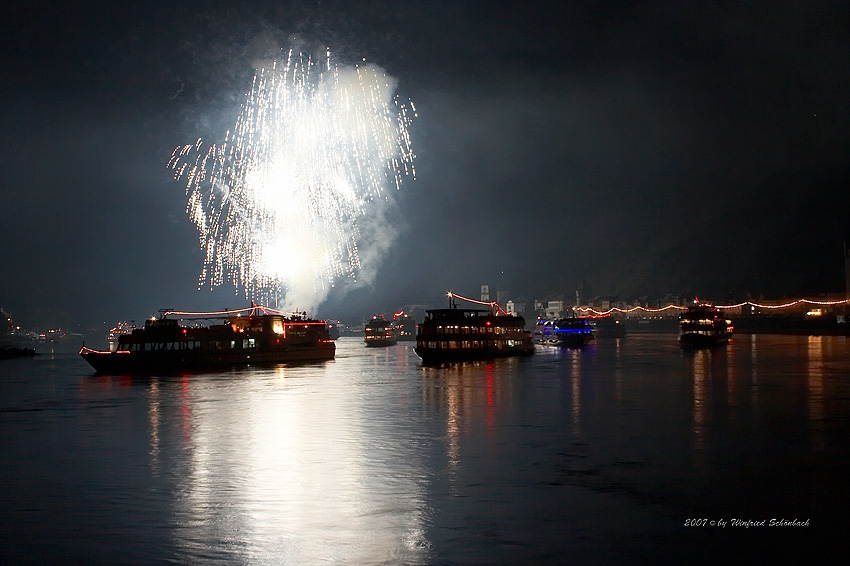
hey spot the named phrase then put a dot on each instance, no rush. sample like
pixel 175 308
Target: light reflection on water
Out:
pixel 815 388
pixel 302 468
pixel 373 459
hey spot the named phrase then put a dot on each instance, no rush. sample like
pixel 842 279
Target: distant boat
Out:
pixel 15 352
pixel 380 332
pixel 570 332
pixel 334 328
pixel 121 329
pixel 453 335
pixel 263 336
pixel 703 325
pixel 405 326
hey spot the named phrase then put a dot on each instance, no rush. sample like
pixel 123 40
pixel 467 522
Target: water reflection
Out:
pixel 700 396
pixel 153 422
pixel 269 470
pixel 815 389
pixel 468 398
pixel 575 389
pixel 373 459
pixel 732 378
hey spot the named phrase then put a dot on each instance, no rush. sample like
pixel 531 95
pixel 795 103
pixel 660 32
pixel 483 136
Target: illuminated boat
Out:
pixel 703 325
pixel 334 327
pixel 405 326
pixel 120 329
pixel 380 332
pixel 454 335
pixel 251 336
pixel 570 332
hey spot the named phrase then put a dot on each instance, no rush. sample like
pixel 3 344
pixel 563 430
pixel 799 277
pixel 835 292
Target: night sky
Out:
pixel 643 148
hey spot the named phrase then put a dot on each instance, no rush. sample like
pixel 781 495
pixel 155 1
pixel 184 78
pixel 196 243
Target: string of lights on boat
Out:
pixel 735 306
pixel 231 312
pixel 491 304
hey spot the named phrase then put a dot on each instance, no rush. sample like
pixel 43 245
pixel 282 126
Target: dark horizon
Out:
pixel 648 150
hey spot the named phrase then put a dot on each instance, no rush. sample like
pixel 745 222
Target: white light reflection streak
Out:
pixel 153 420
pixel 575 389
pixel 731 381
pixel 815 390
pixel 284 476
pixel 754 388
pixel 700 363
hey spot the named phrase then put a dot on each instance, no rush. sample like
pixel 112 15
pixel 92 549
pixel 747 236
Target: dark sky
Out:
pixel 645 148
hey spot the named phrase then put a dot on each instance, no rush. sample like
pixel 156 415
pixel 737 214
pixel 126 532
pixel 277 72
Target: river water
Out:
pixel 594 456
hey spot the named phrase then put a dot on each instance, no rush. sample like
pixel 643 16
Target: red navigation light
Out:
pixel 488 323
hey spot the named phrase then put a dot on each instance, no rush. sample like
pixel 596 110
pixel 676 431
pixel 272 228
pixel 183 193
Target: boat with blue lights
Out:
pixel 570 332
pixel 703 325
pixel 380 332
pixel 457 335
pixel 178 342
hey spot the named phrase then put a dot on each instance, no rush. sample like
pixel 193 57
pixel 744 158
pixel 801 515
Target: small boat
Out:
pixel 334 327
pixel 703 325
pixel 16 352
pixel 380 332
pixel 456 335
pixel 570 332
pixel 121 329
pixel 264 336
pixel 405 326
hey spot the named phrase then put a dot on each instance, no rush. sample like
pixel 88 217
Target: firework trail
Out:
pixel 282 205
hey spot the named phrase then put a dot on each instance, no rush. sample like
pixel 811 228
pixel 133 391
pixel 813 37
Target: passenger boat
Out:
pixel 334 327
pixel 380 332
pixel 251 336
pixel 570 332
pixel 703 325
pixel 454 335
pixel 120 329
pixel 405 326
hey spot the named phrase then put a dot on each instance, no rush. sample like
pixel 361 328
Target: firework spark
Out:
pixel 281 205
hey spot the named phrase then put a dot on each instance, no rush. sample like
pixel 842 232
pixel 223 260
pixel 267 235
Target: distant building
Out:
pixel 583 293
pixel 485 293
pixel 515 307
pixel 539 308
pixel 555 309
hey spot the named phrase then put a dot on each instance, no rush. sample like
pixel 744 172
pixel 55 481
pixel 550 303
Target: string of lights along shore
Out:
pixel 287 206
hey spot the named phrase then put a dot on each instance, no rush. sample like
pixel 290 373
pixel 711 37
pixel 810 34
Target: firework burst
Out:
pixel 281 203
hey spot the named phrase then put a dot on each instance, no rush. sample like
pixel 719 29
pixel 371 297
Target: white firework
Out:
pixel 279 202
